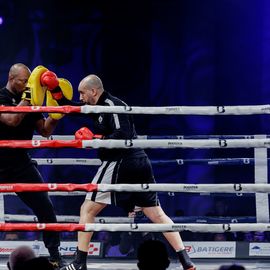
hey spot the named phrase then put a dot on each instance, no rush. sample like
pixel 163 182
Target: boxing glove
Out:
pixel 27 95
pixel 85 133
pixel 67 90
pixel 50 80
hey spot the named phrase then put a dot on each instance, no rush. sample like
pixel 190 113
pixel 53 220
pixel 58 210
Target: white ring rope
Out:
pixel 171 194
pixel 137 227
pixel 189 188
pixel 136 219
pixel 166 187
pixel 211 143
pixel 150 137
pixel 166 144
pixel 60 193
pixel 169 110
pixel 180 110
pixel 97 162
pixel 68 218
pixel 68 161
pixel 174 143
pixel 177 227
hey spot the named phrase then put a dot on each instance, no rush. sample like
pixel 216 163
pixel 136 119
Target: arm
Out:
pixel 59 92
pixel 14 119
pixel 45 127
pixel 64 101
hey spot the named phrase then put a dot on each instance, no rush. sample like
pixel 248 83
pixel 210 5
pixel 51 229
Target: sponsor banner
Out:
pixel 259 249
pixel 211 249
pixel 66 248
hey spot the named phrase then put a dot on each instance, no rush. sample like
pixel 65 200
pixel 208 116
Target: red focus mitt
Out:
pixel 50 80
pixel 85 133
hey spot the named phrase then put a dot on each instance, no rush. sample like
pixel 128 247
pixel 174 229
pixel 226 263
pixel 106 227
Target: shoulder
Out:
pixel 5 96
pixel 114 101
pixel 3 91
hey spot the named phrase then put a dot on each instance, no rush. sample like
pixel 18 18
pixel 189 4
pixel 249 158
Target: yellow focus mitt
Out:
pixel 37 92
pixel 67 90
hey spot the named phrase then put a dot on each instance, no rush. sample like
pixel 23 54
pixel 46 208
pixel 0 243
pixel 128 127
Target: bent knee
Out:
pixel 91 208
pixel 155 213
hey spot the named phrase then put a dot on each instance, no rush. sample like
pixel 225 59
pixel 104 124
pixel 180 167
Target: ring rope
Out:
pixel 56 193
pixel 169 110
pixel 193 219
pixel 180 137
pixel 135 227
pixel 69 218
pixel 97 162
pixel 150 137
pixel 169 193
pixel 211 143
pixel 189 188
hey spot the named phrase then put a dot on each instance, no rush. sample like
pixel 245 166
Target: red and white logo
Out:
pixel 35 143
pixel 52 186
pixel 41 226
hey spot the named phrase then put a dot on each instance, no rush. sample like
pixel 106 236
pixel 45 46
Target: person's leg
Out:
pixel 157 215
pixel 93 204
pixel 96 201
pixel 89 210
pixel 42 207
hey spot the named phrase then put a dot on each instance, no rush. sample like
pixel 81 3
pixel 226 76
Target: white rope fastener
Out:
pixel 178 227
pixel 206 143
pixel 180 110
pixel 189 188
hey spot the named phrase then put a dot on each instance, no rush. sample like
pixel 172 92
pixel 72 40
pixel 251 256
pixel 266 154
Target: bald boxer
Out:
pixel 16 165
pixel 119 166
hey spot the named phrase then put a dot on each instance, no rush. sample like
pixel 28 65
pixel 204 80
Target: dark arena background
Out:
pixel 156 53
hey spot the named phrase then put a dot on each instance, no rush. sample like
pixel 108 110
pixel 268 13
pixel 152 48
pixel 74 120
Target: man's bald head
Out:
pixel 17 78
pixel 17 69
pixel 90 89
pixel 92 81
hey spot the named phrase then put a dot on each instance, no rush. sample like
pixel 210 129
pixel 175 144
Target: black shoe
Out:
pixel 75 266
pixel 57 263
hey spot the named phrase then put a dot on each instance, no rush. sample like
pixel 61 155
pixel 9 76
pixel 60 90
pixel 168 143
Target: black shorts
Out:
pixel 136 170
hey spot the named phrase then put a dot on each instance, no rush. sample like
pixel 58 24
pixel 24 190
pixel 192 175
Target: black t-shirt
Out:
pixel 24 131
pixel 116 127
pixel 112 126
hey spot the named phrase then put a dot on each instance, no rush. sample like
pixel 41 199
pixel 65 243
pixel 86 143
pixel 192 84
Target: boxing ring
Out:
pixel 256 254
